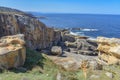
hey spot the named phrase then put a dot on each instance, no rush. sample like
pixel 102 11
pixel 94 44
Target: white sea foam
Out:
pixel 77 33
pixel 82 31
pixel 73 33
pixel 92 38
pixel 89 29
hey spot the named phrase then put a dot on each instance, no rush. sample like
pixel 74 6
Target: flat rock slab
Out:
pixel 68 63
pixel 72 62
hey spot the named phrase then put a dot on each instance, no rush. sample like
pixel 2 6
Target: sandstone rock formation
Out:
pixel 37 35
pixel 109 49
pixel 12 51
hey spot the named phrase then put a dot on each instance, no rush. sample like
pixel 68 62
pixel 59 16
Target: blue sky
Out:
pixel 65 6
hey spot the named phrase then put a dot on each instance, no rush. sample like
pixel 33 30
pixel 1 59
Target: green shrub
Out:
pixel 33 58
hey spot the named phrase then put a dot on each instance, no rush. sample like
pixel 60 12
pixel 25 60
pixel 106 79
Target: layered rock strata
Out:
pixel 12 51
pixel 109 50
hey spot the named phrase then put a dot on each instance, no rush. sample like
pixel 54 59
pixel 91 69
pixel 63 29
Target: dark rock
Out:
pixel 68 37
pixel 21 69
pixel 75 29
pixel 46 51
pixel 94 43
pixel 68 50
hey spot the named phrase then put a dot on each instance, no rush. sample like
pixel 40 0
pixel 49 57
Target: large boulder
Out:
pixel 56 50
pixel 12 51
pixel 109 50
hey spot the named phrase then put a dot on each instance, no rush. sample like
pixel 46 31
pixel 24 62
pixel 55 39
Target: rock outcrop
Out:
pixel 37 35
pixel 12 51
pixel 87 47
pixel 83 46
pixel 109 50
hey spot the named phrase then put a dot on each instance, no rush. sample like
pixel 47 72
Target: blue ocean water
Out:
pixel 92 25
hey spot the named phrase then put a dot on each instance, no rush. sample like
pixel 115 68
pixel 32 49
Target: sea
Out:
pixel 91 25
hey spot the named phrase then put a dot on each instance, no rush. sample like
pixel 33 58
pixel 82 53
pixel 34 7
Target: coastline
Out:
pixel 39 48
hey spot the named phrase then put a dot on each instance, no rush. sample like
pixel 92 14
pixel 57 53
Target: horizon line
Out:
pixel 64 12
pixel 71 13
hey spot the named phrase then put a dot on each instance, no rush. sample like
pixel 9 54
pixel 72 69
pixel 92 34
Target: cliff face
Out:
pixel 37 35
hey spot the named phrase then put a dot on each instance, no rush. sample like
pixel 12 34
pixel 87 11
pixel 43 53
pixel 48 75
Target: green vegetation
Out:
pixel 39 67
pixel 115 69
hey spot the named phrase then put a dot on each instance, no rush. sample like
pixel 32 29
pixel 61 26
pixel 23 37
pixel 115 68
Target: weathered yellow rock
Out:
pixel 109 58
pixel 109 49
pixel 109 41
pixel 13 54
pixel 115 51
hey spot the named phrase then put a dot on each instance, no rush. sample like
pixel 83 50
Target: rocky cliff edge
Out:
pixel 37 35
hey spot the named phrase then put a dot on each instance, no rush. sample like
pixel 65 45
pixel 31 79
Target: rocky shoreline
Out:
pixel 70 52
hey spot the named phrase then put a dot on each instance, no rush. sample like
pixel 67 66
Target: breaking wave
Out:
pixel 83 31
pixel 89 29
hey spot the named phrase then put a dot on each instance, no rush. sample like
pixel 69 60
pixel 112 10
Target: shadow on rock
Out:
pixel 33 59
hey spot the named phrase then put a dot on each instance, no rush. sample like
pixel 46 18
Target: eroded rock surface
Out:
pixel 83 46
pixel 12 51
pixel 37 35
pixel 109 50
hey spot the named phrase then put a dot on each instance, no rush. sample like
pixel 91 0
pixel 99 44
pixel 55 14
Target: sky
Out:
pixel 65 6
